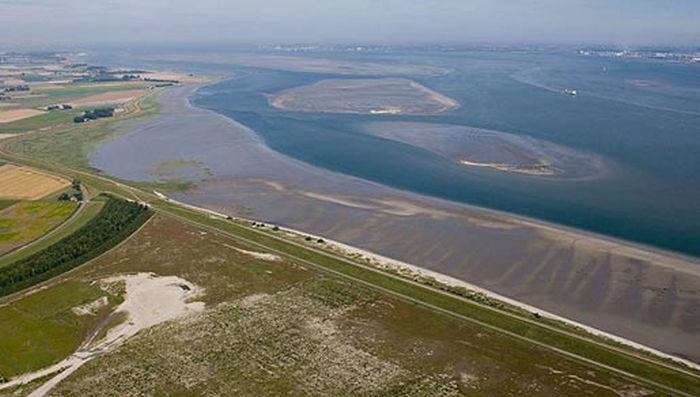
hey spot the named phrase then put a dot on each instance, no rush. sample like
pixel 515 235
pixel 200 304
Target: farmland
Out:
pixel 28 220
pixel 116 220
pixel 21 183
pixel 8 116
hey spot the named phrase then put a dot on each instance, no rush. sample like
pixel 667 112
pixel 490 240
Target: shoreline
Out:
pixel 496 226
pixel 444 279
pixel 550 226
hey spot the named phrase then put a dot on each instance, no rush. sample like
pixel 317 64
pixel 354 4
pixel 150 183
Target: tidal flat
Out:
pixel 476 147
pixel 644 295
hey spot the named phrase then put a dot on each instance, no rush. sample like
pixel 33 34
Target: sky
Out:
pixel 85 22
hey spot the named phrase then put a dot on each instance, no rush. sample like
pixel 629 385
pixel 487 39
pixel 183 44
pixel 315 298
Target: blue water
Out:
pixel 642 117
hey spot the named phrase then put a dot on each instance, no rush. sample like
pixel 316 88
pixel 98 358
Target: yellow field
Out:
pixel 21 183
pixel 8 116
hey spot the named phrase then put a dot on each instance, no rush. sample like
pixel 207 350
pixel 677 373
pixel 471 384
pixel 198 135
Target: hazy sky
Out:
pixel 622 22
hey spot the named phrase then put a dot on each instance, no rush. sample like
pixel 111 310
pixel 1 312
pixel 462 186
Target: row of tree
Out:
pixel 94 114
pixel 115 221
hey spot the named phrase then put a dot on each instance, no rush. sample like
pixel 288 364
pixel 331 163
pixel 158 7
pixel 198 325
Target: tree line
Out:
pixel 116 220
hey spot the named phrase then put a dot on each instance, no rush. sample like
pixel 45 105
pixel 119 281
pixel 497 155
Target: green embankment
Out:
pixel 116 221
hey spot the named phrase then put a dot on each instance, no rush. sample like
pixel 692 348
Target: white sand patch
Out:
pixel 149 300
pixel 90 308
pixel 259 255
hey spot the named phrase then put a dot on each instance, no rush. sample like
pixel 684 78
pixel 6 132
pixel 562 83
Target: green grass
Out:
pixel 116 221
pixel 40 329
pixel 6 203
pixel 89 212
pixel 28 220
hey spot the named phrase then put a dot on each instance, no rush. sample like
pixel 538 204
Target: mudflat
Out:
pixel 477 147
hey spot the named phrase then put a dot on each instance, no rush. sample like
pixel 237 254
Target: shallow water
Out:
pixel 639 117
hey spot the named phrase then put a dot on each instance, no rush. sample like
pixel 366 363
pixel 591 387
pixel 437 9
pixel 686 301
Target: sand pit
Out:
pixel 109 98
pixel 21 183
pixel 149 300
pixel 8 116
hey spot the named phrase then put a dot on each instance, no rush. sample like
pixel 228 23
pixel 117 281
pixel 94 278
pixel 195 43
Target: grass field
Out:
pixel 22 183
pixel 89 212
pixel 47 120
pixel 41 329
pixel 28 220
pixel 49 95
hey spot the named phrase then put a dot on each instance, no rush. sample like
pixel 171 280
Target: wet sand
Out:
pixel 644 295
pixel 477 147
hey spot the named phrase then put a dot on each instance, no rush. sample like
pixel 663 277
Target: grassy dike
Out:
pixel 656 374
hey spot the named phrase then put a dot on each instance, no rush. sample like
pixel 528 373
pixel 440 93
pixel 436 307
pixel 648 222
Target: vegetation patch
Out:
pixel 116 221
pixel 42 328
pixel 180 170
pixel 28 220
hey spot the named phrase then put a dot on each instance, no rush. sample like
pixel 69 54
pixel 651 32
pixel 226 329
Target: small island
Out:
pixel 392 96
pixel 476 147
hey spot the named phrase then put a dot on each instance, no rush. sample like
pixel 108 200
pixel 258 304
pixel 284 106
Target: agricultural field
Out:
pixel 28 220
pixel 273 326
pixel 8 116
pixel 22 183
pixel 115 221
